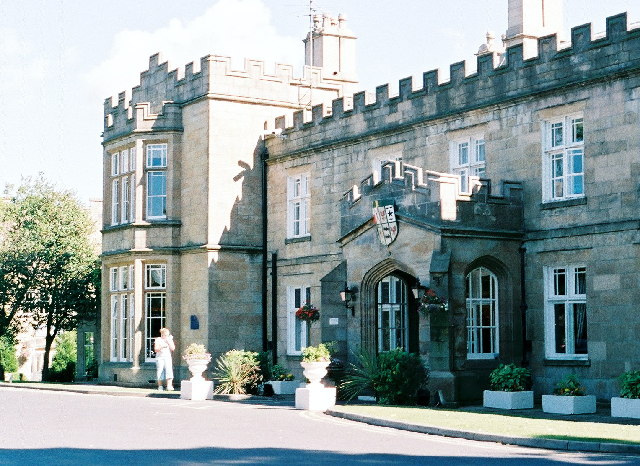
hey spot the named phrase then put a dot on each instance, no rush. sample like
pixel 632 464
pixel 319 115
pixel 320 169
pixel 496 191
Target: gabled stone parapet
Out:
pixel 433 201
pixel 494 82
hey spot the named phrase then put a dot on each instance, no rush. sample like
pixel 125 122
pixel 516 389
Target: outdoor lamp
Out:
pixel 348 296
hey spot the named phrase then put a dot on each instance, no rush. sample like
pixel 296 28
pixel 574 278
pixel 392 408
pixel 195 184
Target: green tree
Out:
pixel 49 273
pixel 8 360
pixel 63 366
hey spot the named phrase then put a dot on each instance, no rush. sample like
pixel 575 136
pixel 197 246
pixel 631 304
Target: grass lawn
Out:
pixel 502 424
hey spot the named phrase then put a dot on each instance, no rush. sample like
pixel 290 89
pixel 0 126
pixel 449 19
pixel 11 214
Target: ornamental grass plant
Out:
pixel 394 376
pixel 237 372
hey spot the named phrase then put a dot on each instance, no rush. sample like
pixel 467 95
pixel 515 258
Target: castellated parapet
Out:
pixel 586 60
pixel 156 102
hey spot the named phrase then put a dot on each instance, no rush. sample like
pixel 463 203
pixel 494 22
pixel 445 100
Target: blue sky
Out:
pixel 61 58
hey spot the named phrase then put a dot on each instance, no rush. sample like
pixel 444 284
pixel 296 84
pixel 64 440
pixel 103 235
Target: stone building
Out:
pixel 183 237
pixel 511 192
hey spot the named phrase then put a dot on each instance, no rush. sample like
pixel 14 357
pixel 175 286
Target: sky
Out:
pixel 59 59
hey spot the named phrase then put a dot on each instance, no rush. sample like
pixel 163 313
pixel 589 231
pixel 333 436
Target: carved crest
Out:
pixel 384 216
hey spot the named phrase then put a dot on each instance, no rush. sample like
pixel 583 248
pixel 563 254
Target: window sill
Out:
pixel 143 224
pixel 298 239
pixel 567 362
pixel 563 203
pixel 481 357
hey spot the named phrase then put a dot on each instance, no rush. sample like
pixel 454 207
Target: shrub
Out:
pixel 394 376
pixel 265 364
pixel 569 386
pixel 8 360
pixel 238 372
pixel 509 378
pixel 92 369
pixel 316 353
pixel 63 366
pixel 280 373
pixel 630 384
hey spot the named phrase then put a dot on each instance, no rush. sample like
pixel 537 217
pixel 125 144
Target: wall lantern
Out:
pixel 418 289
pixel 348 296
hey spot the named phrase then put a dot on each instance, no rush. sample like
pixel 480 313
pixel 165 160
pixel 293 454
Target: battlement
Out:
pixel 153 103
pixel 494 82
pixel 426 197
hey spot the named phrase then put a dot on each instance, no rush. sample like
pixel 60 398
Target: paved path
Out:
pixel 58 428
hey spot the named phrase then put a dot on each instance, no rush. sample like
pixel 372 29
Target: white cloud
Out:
pixel 237 28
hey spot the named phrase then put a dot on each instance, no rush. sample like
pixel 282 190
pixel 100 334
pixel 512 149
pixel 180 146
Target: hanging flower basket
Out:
pixel 432 303
pixel 308 313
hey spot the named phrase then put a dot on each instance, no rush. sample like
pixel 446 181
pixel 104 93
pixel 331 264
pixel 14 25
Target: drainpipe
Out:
pixel 523 307
pixel 265 315
pixel 274 306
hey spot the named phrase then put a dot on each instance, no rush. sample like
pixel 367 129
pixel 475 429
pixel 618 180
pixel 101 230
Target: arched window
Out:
pixel 482 314
pixel 392 314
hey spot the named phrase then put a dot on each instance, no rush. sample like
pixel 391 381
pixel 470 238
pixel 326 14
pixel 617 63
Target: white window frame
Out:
pixel 115 163
pixel 152 292
pixel 113 279
pixel 122 313
pixel 563 158
pixel 467 158
pixel 123 186
pixel 390 307
pixel 124 163
pixel 298 202
pixel 151 319
pixel 558 279
pixel 115 201
pixel 125 211
pixel 154 161
pixel 478 302
pixel 156 175
pixel 115 328
pixel 148 270
pixel 297 330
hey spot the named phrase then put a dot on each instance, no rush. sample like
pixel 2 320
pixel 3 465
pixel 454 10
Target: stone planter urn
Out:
pixel 507 400
pixel 197 365
pixel 315 371
pixel 284 387
pixel 559 404
pixel 625 407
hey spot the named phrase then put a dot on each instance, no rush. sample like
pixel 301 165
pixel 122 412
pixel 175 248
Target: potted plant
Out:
pixel 315 360
pixel 283 383
pixel 508 384
pixel 197 359
pixel 628 404
pixel 569 398
pixel 432 303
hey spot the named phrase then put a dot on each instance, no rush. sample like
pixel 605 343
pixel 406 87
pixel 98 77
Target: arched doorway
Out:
pixel 389 318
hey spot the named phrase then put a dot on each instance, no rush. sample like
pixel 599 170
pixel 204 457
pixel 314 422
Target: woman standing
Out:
pixel 163 346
